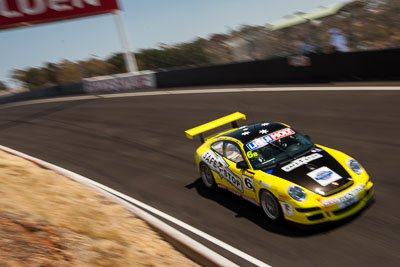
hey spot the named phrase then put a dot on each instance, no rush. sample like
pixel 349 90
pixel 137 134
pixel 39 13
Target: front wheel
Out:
pixel 270 205
pixel 207 177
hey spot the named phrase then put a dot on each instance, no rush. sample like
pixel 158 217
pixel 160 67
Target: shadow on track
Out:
pixel 245 209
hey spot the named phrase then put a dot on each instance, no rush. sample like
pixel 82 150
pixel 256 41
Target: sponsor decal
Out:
pixel 281 133
pixel 301 161
pixel 246 133
pixel 120 82
pixel 324 176
pixel 265 140
pixel 344 199
pixel 287 208
pixel 219 165
pixel 264 184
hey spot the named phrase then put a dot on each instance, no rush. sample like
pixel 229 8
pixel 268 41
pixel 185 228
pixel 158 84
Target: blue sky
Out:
pixel 148 23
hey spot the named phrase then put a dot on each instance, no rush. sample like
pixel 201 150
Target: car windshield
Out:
pixel 269 154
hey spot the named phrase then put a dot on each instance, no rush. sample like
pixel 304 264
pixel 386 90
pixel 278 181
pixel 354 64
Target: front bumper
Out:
pixel 326 213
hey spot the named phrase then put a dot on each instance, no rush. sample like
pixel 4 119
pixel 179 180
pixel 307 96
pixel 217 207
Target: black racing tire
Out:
pixel 207 177
pixel 270 206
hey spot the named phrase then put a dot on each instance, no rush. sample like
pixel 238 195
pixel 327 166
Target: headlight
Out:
pixel 296 192
pixel 354 166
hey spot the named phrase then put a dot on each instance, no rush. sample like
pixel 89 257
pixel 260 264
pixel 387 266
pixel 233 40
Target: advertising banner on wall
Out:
pixel 15 13
pixel 120 82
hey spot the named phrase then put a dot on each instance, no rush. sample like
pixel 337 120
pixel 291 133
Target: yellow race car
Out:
pixel 277 168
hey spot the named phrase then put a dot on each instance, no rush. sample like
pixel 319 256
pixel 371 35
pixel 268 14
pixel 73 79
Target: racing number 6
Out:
pixel 248 183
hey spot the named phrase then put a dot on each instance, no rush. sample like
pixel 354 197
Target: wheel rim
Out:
pixel 270 206
pixel 207 176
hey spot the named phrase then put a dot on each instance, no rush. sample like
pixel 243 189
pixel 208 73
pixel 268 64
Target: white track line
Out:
pixel 260 89
pixel 204 91
pixel 79 178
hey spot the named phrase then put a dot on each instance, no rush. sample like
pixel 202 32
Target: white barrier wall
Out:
pixel 120 82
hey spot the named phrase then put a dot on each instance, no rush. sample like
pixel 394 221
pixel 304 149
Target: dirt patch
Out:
pixel 25 241
pixel 49 220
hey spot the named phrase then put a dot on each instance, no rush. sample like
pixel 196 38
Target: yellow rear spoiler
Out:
pixel 214 124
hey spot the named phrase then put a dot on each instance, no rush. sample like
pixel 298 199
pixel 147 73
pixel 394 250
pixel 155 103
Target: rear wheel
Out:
pixel 270 205
pixel 207 177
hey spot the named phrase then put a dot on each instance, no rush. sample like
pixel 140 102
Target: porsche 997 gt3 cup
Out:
pixel 277 168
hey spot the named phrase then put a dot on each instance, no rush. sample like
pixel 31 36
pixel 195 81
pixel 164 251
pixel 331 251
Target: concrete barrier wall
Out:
pixel 53 91
pixel 354 66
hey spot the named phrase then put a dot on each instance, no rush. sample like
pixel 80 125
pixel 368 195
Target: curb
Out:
pixel 188 246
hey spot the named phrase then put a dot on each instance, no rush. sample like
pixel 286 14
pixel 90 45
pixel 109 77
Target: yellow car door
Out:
pixel 233 155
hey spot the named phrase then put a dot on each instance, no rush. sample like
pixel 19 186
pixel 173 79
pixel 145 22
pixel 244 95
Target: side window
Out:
pixel 218 147
pixel 232 152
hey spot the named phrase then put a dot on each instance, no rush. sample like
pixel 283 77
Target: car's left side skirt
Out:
pixel 252 200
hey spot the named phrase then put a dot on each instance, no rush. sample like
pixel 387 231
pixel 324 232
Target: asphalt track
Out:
pixel 137 146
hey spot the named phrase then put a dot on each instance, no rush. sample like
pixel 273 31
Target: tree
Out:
pixel 36 77
pixel 18 76
pixel 3 86
pixel 52 72
pixel 95 67
pixel 30 78
pixel 68 72
pixel 118 63
pixel 173 56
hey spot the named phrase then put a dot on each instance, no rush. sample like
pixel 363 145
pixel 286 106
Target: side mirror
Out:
pixel 242 165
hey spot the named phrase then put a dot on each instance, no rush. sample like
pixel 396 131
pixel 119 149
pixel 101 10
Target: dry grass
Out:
pixel 95 230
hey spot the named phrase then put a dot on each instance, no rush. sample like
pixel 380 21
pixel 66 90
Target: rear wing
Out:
pixel 231 118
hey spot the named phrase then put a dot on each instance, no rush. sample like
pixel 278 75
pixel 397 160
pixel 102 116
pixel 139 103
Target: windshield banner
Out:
pixel 265 140
pixel 14 13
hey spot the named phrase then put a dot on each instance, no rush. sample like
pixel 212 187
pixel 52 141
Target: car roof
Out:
pixel 250 132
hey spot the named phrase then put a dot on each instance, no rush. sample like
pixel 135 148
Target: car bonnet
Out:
pixel 317 171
